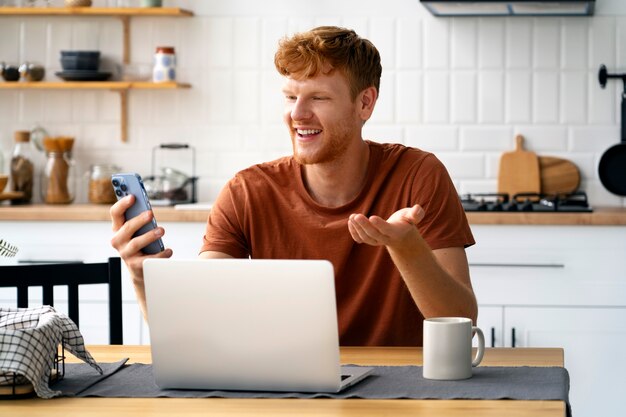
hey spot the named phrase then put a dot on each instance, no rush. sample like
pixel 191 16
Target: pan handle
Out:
pixel 603 76
pixel 623 134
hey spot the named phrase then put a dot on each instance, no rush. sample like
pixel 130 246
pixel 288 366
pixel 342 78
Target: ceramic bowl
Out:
pixel 80 60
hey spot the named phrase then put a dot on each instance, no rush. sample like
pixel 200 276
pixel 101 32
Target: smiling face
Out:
pixel 322 119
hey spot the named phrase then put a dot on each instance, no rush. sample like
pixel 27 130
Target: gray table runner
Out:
pixel 386 382
pixel 79 377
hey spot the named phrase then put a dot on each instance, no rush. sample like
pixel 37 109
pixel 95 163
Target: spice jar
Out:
pixel 164 64
pixel 58 182
pixel 22 167
pixel 100 189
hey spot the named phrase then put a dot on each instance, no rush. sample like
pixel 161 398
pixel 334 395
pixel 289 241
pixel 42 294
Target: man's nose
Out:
pixel 300 110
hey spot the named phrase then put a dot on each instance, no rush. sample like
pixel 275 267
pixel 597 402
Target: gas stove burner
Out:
pixel 527 202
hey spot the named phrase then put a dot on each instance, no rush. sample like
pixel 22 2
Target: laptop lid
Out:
pixel 241 324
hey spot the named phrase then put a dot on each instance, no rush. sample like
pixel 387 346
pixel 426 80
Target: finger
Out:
pixel 361 236
pixel 353 232
pixel 374 227
pixel 136 244
pixel 118 209
pixel 415 215
pixel 365 231
pixel 167 253
pixel 132 254
pixel 128 229
pixel 133 225
pixel 382 227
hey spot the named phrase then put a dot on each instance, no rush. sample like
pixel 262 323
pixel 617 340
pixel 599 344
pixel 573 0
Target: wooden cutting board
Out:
pixel 558 176
pixel 519 171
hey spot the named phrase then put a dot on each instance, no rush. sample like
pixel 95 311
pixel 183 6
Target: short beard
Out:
pixel 330 152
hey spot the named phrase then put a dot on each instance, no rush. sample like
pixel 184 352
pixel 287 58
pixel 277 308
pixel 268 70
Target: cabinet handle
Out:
pixel 513 337
pixel 493 337
pixel 174 146
pixel 511 265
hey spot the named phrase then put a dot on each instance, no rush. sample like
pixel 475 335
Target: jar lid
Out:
pixel 22 135
pixel 165 49
pixel 105 167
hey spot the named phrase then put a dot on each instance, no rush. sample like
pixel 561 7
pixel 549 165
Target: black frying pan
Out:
pixel 612 168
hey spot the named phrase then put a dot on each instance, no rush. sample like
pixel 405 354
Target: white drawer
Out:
pixel 549 265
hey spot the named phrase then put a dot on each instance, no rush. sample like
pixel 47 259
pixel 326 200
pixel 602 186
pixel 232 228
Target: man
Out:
pixel 386 216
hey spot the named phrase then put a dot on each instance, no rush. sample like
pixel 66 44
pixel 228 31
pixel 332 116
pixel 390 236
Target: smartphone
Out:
pixel 124 184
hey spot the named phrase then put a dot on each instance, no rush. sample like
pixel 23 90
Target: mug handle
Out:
pixel 481 346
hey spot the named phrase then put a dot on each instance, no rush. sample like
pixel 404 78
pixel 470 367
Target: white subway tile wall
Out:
pixel 461 88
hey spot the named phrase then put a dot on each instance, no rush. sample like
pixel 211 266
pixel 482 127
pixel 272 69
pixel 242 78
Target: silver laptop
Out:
pixel 241 324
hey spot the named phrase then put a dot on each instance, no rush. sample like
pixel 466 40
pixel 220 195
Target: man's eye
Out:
pixel 319 98
pixel 290 98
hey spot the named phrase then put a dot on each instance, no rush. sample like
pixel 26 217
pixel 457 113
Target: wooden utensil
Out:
pixel 558 176
pixel 11 195
pixel 519 171
pixel 4 179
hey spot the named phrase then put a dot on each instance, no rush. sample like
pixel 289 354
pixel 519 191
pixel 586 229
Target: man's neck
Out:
pixel 336 183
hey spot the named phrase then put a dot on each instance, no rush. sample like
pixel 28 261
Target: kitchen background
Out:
pixel 459 87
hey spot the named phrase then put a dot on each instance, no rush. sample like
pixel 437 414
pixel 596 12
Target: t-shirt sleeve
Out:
pixel 224 230
pixel 445 224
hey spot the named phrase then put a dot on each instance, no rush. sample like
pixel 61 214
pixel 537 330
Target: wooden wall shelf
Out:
pixel 94 11
pixel 92 85
pixel 122 87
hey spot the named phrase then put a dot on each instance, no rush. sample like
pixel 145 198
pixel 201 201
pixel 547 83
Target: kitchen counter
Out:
pixel 602 216
pixel 91 212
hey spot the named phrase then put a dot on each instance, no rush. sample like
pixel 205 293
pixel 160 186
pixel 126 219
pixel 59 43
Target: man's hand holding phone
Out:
pixel 136 234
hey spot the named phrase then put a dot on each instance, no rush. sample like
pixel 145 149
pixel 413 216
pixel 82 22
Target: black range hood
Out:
pixel 510 7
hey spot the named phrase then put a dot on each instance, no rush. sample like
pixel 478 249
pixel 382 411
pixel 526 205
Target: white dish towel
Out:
pixel 29 339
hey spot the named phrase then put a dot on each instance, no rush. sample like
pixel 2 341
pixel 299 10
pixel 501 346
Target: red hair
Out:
pixel 328 48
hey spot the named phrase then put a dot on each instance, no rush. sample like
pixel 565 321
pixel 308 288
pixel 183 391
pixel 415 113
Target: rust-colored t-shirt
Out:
pixel 266 212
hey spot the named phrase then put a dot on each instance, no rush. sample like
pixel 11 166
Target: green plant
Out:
pixel 6 249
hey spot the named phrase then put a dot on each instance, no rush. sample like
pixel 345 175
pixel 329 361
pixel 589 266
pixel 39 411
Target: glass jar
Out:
pixel 100 188
pixel 22 167
pixel 1 164
pixel 58 181
pixel 164 69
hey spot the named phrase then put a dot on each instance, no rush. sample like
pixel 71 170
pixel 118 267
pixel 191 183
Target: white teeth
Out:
pixel 308 131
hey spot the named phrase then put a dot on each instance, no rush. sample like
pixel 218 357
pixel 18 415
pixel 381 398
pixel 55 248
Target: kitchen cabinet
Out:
pixel 593 339
pixel 491 322
pixel 90 242
pixel 124 14
pixel 565 286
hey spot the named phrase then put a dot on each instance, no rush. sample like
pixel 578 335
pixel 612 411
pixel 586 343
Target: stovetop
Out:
pixel 527 202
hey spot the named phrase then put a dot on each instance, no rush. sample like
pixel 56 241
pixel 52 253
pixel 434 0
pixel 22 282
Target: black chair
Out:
pixel 72 275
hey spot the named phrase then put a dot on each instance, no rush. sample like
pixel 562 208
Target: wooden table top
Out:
pixel 95 407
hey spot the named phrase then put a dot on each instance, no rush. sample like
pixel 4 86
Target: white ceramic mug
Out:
pixel 448 348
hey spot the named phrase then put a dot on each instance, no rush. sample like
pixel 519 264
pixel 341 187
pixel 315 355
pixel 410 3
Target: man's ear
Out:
pixel 366 101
